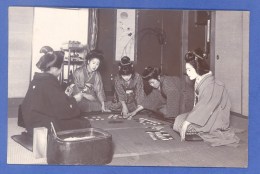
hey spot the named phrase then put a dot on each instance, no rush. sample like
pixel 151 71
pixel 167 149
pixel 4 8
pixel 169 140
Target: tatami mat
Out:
pixel 190 154
pixel 16 154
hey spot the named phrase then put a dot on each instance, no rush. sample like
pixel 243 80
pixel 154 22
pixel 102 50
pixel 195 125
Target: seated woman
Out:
pixel 128 88
pixel 46 102
pixel 88 81
pixel 169 96
pixel 210 116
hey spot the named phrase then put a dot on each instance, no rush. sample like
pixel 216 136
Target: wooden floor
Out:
pixel 134 147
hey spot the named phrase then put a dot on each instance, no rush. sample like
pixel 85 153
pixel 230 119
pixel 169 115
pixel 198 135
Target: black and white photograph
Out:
pixel 128 87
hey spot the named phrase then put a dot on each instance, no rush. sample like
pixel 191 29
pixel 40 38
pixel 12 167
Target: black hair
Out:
pixel 151 73
pixel 50 59
pixel 46 49
pixel 95 54
pixel 197 59
pixel 126 66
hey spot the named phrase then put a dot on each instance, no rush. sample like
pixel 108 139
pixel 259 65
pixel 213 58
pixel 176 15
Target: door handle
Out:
pixel 217 57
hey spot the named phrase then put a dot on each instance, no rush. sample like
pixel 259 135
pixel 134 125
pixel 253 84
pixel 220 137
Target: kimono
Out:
pixel 210 116
pixel 172 99
pixel 46 102
pixel 93 81
pixel 130 92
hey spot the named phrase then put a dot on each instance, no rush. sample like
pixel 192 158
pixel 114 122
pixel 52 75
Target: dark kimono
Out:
pixel 210 116
pixel 93 81
pixel 46 102
pixel 131 92
pixel 172 99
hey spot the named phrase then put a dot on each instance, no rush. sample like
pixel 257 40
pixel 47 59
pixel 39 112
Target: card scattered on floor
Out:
pixel 115 116
pixel 92 118
pixel 111 116
pixel 159 135
pixel 146 121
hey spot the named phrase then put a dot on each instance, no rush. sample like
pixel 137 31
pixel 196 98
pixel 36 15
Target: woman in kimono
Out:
pixel 129 91
pixel 46 101
pixel 210 116
pixel 168 96
pixel 88 80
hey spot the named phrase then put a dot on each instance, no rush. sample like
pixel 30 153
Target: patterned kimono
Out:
pixel 210 116
pixel 46 102
pixel 93 81
pixel 131 92
pixel 172 99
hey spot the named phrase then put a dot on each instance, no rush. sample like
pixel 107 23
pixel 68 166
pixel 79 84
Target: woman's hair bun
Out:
pixel 46 50
pixel 95 54
pixel 125 61
pixel 125 66
pixel 151 73
pixel 194 55
pixel 197 59
pixel 50 60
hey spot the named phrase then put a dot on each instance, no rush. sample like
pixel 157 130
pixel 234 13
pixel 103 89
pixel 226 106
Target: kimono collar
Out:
pixel 88 73
pixel 44 75
pixel 162 78
pixel 199 79
pixel 87 70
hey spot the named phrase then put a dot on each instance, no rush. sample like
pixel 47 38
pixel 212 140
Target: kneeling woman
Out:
pixel 129 88
pixel 46 101
pixel 169 96
pixel 210 116
pixel 88 80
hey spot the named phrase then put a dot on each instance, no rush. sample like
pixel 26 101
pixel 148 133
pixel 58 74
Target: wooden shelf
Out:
pixel 71 64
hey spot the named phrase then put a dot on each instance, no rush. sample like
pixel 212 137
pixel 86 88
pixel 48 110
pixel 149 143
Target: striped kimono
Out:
pixel 93 80
pixel 131 92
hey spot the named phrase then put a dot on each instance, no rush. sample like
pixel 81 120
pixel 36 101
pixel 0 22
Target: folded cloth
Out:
pixel 193 138
pixel 191 130
pixel 192 134
pixel 221 138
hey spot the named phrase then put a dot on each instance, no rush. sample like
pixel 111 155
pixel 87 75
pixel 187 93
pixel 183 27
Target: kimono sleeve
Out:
pixel 208 100
pixel 139 90
pixel 152 100
pixel 119 89
pixel 173 99
pixel 64 107
pixel 78 80
pixel 99 88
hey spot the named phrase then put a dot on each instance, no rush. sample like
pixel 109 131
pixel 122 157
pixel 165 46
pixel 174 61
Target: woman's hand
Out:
pixel 69 90
pixel 125 111
pixel 104 109
pixel 130 115
pixel 78 97
pixel 89 97
pixel 184 127
pixel 87 87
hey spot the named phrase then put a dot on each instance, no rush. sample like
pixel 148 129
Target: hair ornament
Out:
pixel 197 56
